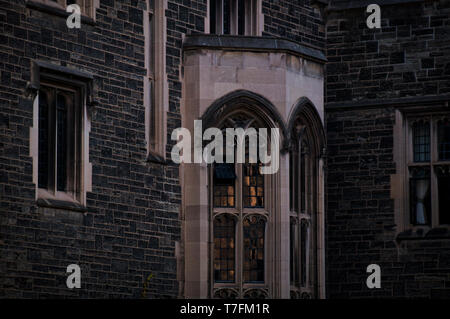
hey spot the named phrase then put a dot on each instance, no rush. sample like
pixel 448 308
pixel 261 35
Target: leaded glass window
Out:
pixel 253 187
pixel 224 185
pixel 421 138
pixel 254 229
pixel 224 248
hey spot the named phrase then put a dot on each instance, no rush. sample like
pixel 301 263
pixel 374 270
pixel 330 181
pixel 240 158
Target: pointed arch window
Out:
pixel 303 164
pixel 239 197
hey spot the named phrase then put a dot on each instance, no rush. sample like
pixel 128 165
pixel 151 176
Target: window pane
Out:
pixel 253 186
pixel 420 196
pixel 43 141
pixel 254 228
pixel 303 177
pixel 443 176
pixel 293 180
pixel 293 252
pixel 151 105
pixel 241 17
pixel 444 140
pixel 61 147
pixel 224 180
pixel 212 16
pixel 226 17
pixel 151 44
pixel 224 248
pixel 304 249
pixel 421 141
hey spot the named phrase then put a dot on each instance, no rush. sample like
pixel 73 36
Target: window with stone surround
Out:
pixel 59 142
pixel 155 82
pixel 235 17
pixel 59 138
pixel 428 169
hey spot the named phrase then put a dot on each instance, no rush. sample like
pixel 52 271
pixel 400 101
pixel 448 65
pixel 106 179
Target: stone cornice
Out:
pixel 252 43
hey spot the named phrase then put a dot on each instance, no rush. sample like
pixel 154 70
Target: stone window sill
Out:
pixel 442 232
pixel 155 158
pixel 61 204
pixel 36 5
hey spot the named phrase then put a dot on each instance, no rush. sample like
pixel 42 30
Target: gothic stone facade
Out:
pixel 139 226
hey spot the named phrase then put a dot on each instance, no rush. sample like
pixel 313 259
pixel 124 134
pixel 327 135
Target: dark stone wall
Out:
pixel 406 60
pixel 294 20
pixel 408 56
pixel 132 221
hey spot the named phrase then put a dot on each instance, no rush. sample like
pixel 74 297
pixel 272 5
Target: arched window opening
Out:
pixel 303 205
pixel 239 196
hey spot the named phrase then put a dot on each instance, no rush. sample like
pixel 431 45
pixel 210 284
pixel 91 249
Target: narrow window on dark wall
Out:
pixel 59 140
pixel 151 73
pixel 254 229
pixel 61 147
pixel 224 248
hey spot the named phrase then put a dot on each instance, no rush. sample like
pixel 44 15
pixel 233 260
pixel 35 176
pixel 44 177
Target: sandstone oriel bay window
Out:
pixel 428 169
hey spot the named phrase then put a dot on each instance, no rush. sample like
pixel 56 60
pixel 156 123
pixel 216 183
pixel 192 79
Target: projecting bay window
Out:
pixel 429 170
pixel 59 143
pixel 235 17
